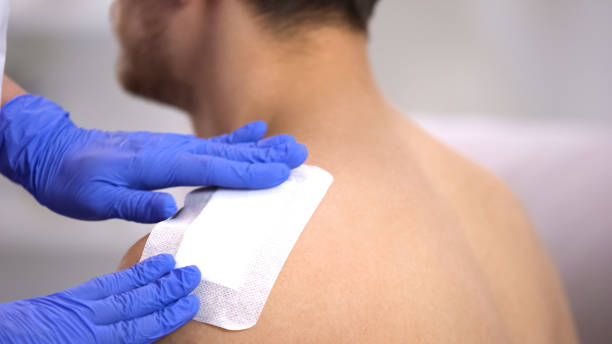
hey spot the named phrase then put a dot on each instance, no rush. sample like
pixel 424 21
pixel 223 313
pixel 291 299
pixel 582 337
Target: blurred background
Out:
pixel 522 86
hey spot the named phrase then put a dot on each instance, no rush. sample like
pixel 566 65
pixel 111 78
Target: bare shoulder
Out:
pixel 413 243
pixel 504 245
pixel 132 256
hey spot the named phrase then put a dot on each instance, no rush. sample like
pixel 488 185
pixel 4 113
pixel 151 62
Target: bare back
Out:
pixel 413 244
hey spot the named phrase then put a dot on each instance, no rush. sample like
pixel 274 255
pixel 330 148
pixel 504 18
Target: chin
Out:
pixel 132 81
pixel 153 83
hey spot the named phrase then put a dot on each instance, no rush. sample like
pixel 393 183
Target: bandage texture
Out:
pixel 240 240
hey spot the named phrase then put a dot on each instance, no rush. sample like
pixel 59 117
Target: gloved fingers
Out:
pixel 147 299
pixel 269 142
pixel 142 139
pixel 197 170
pixel 240 175
pixel 154 326
pixel 137 276
pixel 249 133
pixel 277 140
pixel 293 155
pixel 141 206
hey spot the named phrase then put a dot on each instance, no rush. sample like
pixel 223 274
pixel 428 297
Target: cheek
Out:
pixel 120 11
pixel 126 17
pixel 117 15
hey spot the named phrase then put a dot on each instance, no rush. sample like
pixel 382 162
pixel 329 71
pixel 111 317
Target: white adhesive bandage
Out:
pixel 240 240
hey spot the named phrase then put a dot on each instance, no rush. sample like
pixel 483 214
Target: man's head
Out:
pixel 165 43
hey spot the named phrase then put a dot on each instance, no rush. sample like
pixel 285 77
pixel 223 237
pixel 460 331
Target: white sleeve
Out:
pixel 4 17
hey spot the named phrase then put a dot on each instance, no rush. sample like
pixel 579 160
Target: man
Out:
pixel 413 243
pixel 97 175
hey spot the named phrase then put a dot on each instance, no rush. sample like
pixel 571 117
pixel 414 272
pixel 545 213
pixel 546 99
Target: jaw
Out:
pixel 148 59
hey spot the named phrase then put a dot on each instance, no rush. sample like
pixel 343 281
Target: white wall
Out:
pixel 530 58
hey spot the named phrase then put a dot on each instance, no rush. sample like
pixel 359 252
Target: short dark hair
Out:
pixel 294 13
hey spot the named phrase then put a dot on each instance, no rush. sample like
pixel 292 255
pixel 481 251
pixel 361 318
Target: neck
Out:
pixel 321 82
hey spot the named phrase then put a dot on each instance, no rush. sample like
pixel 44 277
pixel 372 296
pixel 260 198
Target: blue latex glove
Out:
pixel 138 305
pixel 97 175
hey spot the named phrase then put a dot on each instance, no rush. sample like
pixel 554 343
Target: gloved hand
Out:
pixel 97 175
pixel 138 305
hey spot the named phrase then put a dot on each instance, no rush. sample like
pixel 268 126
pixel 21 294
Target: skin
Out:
pixel 413 243
pixel 10 90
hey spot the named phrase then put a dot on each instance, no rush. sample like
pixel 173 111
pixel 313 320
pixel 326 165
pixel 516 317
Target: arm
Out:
pixel 10 90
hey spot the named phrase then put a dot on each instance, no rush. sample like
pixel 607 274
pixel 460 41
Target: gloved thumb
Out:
pixel 142 206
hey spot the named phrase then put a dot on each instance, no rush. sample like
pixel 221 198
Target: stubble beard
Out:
pixel 144 69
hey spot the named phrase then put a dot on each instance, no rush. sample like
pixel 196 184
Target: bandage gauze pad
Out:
pixel 240 240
